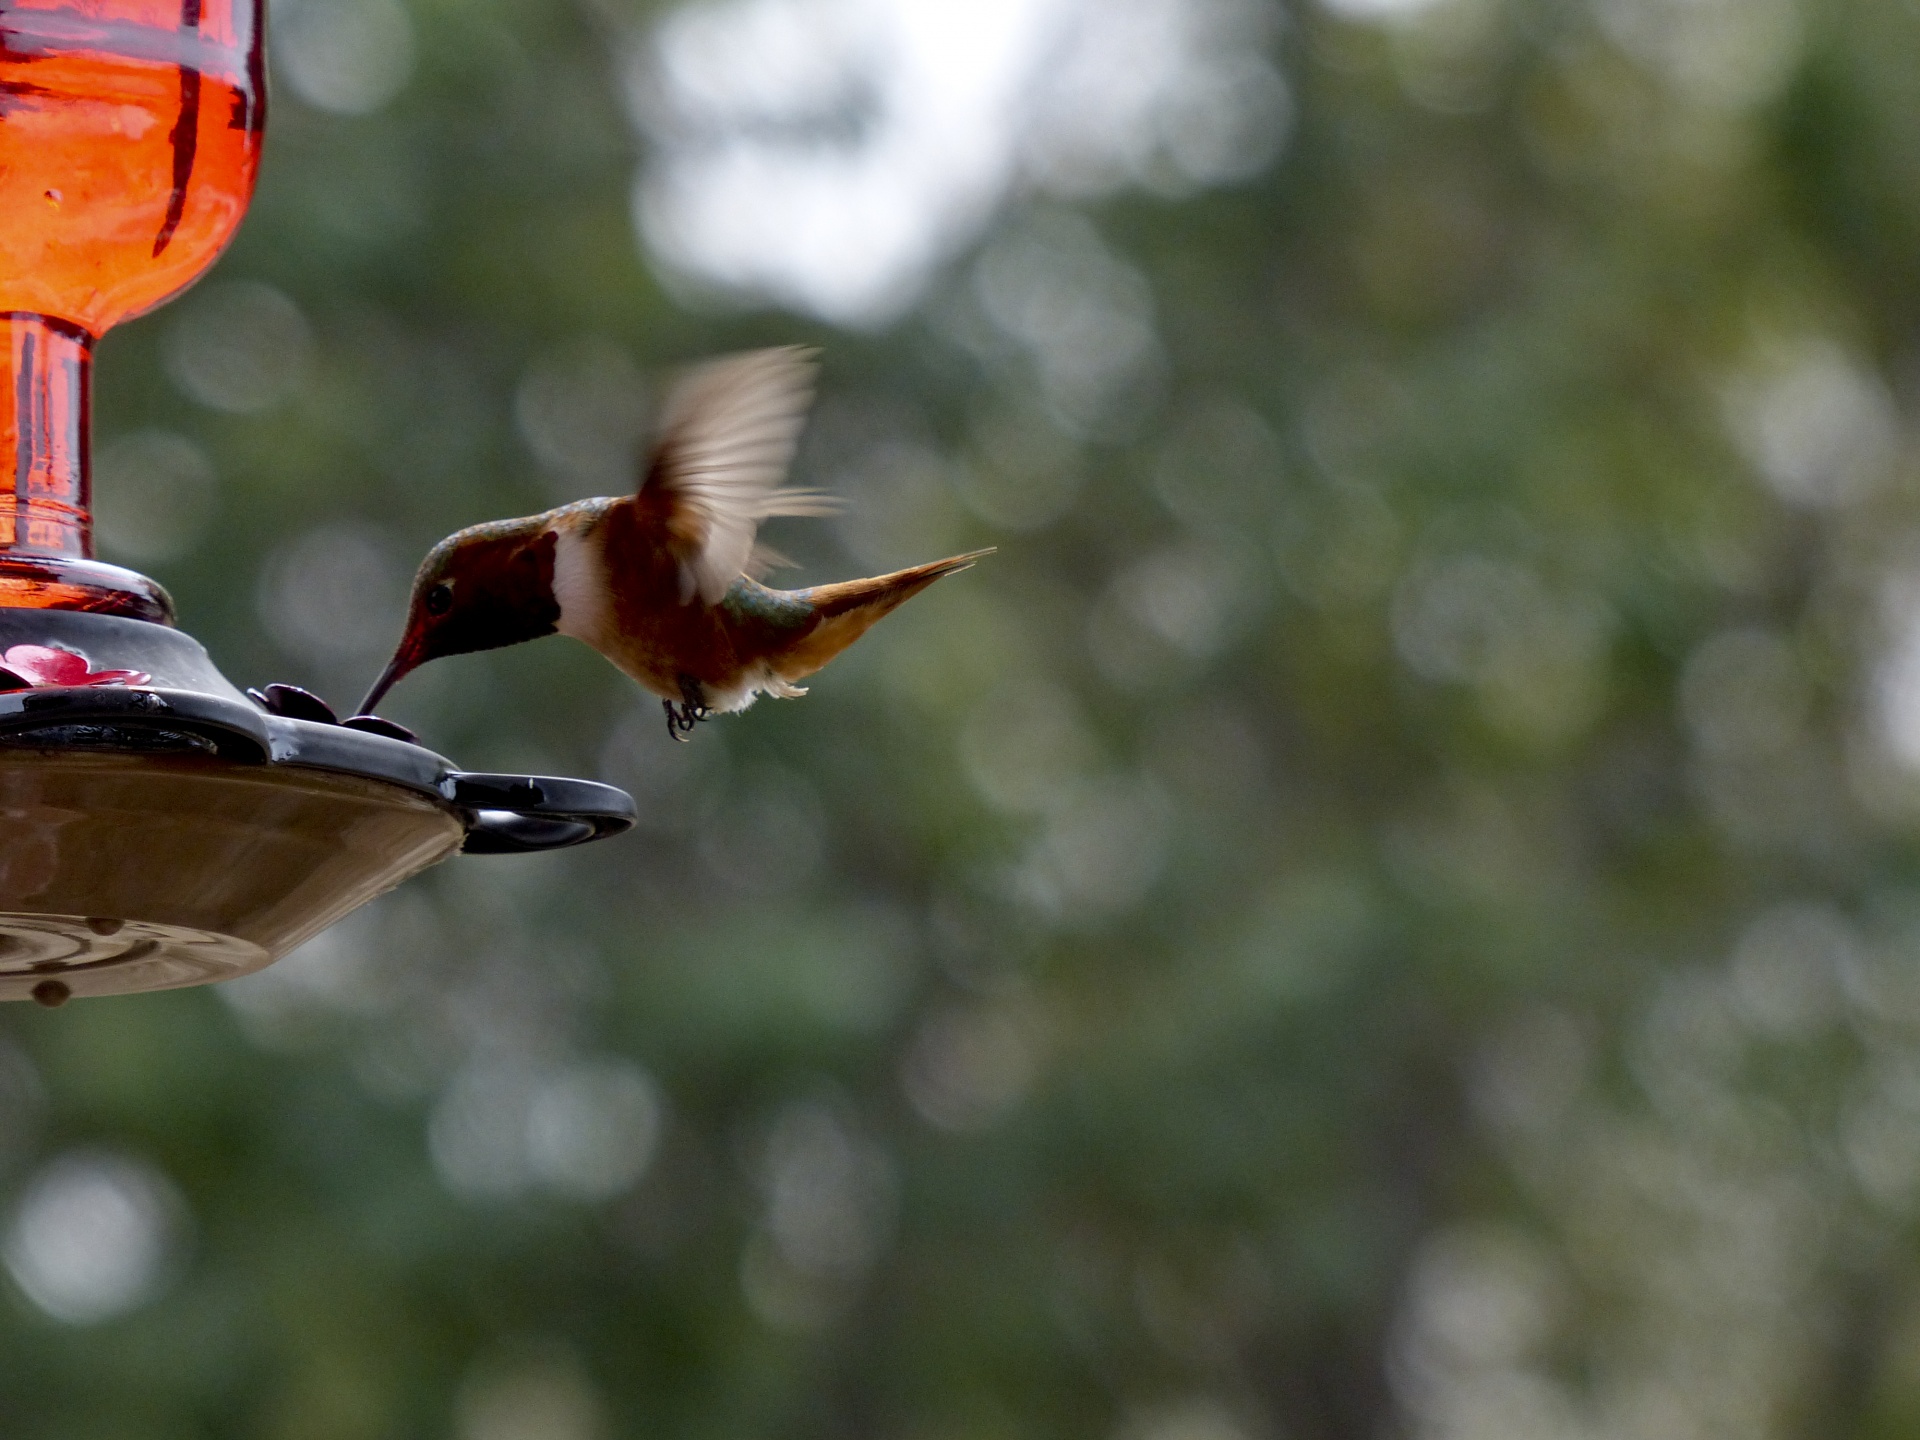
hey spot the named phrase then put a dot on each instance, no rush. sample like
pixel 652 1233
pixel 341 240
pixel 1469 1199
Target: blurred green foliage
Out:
pixel 1388 908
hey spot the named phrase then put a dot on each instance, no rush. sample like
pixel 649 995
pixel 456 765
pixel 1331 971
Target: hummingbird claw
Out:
pixel 677 726
pixel 689 712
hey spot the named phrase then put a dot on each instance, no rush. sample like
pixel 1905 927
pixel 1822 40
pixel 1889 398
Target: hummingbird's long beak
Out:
pixel 401 663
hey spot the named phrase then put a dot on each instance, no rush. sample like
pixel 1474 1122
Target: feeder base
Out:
pixel 122 872
pixel 89 955
pixel 174 832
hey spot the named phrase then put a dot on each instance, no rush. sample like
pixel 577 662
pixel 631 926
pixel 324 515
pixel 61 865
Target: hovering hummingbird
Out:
pixel 663 582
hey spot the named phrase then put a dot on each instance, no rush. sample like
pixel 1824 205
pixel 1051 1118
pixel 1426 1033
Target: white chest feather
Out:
pixel 580 587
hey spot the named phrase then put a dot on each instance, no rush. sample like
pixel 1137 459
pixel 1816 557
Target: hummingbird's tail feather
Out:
pixel 883 592
pixel 847 610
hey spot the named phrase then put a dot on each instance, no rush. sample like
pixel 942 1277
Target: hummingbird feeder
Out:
pixel 159 828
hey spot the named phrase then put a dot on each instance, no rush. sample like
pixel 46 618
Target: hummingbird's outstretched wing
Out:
pixel 726 438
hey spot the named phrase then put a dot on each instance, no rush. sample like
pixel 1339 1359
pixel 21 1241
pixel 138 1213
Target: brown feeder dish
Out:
pixel 176 832
pixel 157 827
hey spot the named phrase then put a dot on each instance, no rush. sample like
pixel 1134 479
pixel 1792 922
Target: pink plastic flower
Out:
pixel 49 667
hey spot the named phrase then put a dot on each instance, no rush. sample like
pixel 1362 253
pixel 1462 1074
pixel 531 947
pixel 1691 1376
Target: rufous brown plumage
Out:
pixel 663 582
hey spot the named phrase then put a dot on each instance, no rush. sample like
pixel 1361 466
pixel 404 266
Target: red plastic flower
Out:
pixel 49 667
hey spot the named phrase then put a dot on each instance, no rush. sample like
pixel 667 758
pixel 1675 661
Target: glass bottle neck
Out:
pixel 44 426
pixel 46 525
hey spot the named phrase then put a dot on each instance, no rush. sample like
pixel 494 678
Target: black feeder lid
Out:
pixel 174 832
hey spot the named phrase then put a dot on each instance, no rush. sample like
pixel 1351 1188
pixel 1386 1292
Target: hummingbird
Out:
pixel 664 582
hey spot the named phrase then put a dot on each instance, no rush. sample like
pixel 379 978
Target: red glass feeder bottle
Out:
pixel 156 827
pixel 130 135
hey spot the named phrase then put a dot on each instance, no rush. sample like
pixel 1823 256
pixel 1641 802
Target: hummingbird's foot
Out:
pixel 689 712
pixel 679 723
pixel 693 708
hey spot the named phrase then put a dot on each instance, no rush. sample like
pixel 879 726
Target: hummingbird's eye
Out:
pixel 440 599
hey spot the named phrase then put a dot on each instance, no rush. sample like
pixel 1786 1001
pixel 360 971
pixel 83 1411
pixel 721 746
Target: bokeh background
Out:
pixel 1389 908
